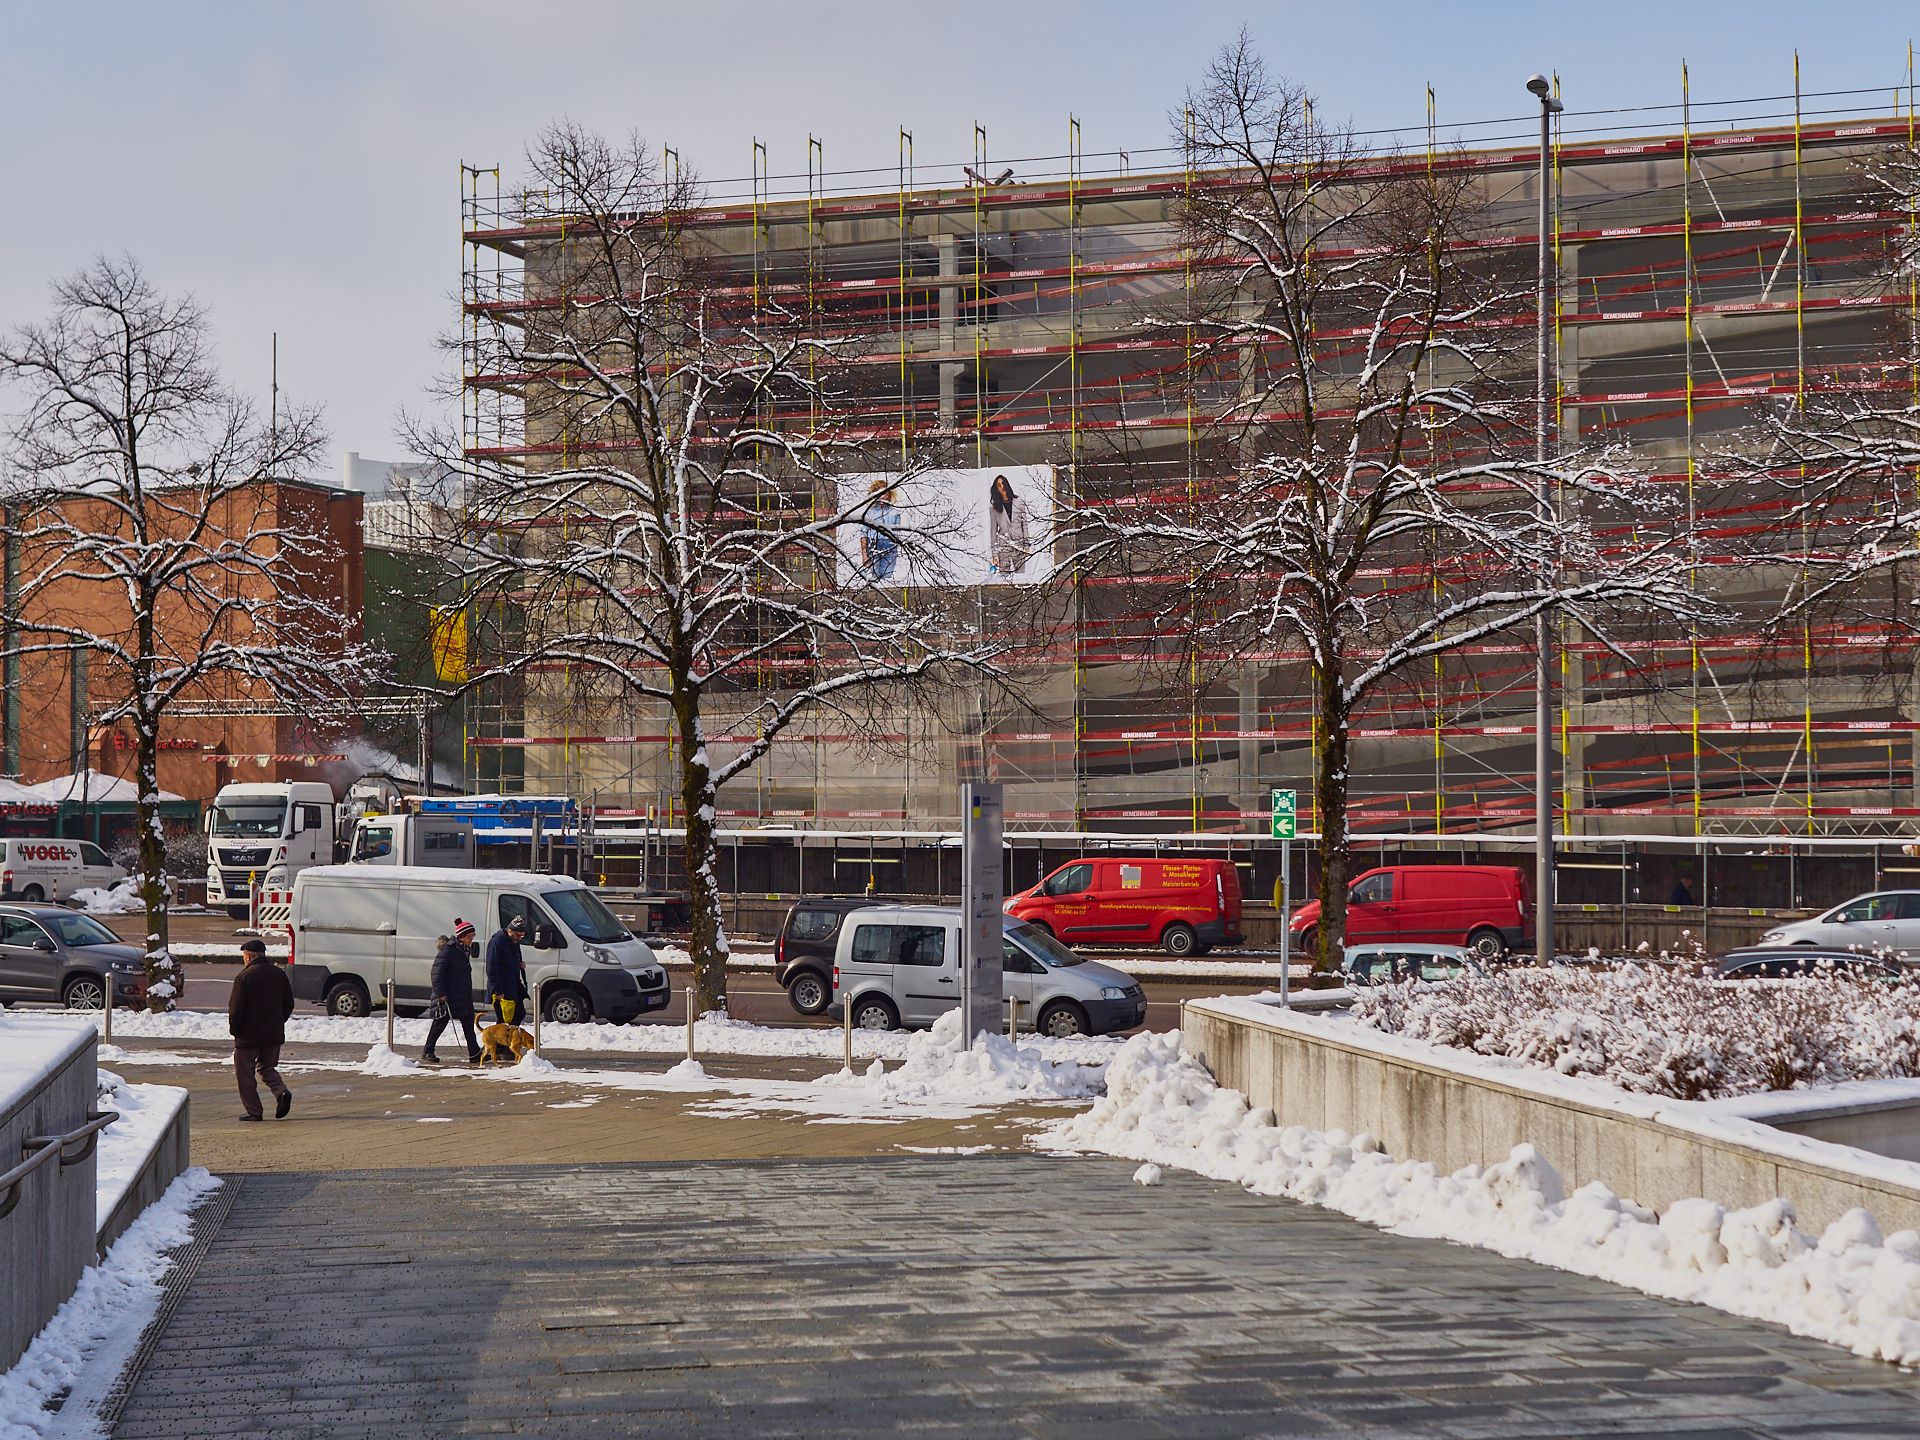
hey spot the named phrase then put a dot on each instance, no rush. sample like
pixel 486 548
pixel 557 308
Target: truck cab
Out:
pixel 263 835
pixel 439 841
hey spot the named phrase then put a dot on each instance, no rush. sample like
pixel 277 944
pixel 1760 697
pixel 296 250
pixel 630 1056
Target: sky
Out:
pixel 296 167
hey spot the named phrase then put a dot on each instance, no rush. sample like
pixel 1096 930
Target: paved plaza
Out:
pixel 977 1296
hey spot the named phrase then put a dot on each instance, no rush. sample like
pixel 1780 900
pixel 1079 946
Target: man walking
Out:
pixel 453 992
pixel 257 1013
pixel 507 970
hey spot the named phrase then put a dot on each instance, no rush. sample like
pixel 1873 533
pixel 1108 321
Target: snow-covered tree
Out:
pixel 1364 482
pixel 672 525
pixel 140 512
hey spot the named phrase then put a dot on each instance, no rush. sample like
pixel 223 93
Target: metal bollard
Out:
pixel 846 1028
pixel 536 1015
pixel 389 1014
pixel 109 1005
pixel 1013 1021
pixel 689 1022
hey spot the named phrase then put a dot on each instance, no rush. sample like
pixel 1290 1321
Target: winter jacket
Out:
pixel 257 1009
pixel 506 968
pixel 453 975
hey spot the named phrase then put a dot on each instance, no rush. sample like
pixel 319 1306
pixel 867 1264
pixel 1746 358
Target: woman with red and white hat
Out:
pixel 453 992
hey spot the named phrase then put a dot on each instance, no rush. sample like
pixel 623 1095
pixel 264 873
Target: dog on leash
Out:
pixel 496 1040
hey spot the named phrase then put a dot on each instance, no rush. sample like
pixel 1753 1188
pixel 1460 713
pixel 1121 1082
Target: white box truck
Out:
pixel 265 834
pixel 354 927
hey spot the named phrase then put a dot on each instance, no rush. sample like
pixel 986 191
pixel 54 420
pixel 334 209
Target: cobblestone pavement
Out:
pixel 1023 1296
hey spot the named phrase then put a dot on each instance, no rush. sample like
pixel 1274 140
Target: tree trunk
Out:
pixel 1330 803
pixel 163 976
pixel 697 795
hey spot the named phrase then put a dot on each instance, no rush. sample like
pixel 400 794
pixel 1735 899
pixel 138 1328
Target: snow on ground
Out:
pixel 120 899
pixel 92 1337
pixel 713 1035
pixel 939 1065
pixel 145 1112
pixel 1850 1286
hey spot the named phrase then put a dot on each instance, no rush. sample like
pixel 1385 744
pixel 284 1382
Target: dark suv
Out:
pixel 803 955
pixel 48 952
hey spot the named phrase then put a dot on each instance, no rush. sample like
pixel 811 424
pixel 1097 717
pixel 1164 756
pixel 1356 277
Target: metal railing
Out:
pixel 42 1148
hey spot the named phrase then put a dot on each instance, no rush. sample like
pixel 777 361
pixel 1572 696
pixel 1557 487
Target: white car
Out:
pixel 1381 963
pixel 33 871
pixel 1886 920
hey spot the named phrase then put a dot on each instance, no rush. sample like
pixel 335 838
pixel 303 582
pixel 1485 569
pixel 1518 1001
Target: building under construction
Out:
pixel 1707 268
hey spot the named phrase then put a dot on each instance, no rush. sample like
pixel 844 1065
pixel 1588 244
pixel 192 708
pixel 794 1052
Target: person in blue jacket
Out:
pixel 507 971
pixel 453 992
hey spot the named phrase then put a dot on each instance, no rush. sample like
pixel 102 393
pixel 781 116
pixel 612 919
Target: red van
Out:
pixel 1487 908
pixel 1184 906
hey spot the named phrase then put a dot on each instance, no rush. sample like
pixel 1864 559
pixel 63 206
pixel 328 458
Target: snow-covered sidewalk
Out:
pixel 79 1355
pixel 1850 1286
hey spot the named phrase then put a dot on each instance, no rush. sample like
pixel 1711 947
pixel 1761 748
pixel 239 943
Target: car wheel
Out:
pixel 33 895
pixel 1064 1018
pixel 346 999
pixel 1305 948
pixel 83 992
pixel 875 1012
pixel 569 1007
pixel 1486 945
pixel 1178 939
pixel 810 993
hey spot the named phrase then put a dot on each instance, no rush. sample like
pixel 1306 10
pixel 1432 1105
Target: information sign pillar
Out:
pixel 981 908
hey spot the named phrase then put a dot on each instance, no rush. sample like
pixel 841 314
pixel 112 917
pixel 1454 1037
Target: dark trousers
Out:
pixel 462 1013
pixel 264 1061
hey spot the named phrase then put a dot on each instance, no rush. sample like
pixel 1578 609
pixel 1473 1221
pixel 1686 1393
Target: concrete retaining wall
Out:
pixel 48 1239
pixel 1428 1110
pixel 163 1165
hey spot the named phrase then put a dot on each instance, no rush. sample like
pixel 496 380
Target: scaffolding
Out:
pixel 1020 321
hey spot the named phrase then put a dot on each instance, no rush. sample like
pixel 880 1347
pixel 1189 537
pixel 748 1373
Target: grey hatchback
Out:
pixel 55 954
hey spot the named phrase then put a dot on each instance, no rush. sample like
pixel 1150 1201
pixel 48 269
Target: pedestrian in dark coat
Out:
pixel 507 970
pixel 257 1011
pixel 453 992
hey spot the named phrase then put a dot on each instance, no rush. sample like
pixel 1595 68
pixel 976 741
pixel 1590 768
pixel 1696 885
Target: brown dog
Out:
pixel 497 1038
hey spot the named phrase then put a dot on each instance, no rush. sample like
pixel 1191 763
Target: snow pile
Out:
pixel 713 1035
pixel 939 1065
pixel 91 1338
pixel 122 899
pixel 145 1112
pixel 533 1063
pixel 1850 1287
pixel 383 1061
pixel 1662 1030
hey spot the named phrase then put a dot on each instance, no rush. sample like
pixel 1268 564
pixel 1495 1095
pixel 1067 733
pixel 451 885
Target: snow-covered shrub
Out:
pixel 1667 1029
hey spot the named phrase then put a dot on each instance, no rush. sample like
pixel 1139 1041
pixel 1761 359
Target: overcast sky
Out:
pixel 297 166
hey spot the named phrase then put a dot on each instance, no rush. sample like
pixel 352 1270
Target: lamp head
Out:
pixel 1539 85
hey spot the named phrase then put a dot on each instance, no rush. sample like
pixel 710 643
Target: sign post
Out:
pixel 982 910
pixel 1283 823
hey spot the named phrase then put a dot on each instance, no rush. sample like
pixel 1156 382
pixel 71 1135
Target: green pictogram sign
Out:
pixel 1283 814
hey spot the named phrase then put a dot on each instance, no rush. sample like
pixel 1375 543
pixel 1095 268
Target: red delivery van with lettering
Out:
pixel 1186 907
pixel 1487 908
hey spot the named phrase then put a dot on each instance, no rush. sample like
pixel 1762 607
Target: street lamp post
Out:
pixel 1543 670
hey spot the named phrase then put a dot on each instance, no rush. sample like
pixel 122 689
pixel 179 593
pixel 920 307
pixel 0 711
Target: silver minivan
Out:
pixel 900 965
pixel 1889 920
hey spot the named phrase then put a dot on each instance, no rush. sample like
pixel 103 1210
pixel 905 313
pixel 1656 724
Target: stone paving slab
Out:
pixel 1020 1296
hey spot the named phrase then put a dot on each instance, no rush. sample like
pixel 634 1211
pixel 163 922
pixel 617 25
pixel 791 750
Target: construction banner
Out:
pixel 449 637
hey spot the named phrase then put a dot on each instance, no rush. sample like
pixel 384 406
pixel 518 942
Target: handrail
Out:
pixel 45 1147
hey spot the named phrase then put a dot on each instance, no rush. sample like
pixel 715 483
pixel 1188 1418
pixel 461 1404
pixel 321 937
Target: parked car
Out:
pixel 1486 908
pixel 1886 920
pixel 899 965
pixel 49 953
pixel 803 953
pixel 32 871
pixel 1389 965
pixel 1186 907
pixel 354 927
pixel 1776 962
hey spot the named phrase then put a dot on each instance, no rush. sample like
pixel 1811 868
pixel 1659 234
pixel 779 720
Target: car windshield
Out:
pixel 253 819
pixel 79 930
pixel 1044 948
pixel 583 914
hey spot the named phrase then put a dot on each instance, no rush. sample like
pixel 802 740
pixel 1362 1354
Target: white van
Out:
pixel 354 927
pixel 33 871
pixel 900 965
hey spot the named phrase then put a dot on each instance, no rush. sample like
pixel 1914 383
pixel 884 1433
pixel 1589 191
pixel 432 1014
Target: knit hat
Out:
pixel 462 929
